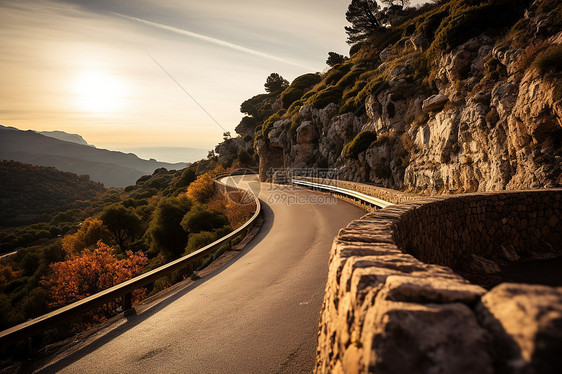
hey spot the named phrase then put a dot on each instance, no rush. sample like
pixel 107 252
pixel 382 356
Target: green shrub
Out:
pixel 331 94
pixel 142 179
pixel 203 238
pixel 335 74
pixel 266 109
pixel 200 218
pixel 309 94
pixel 290 95
pixel 352 100
pixel 297 88
pixel 354 91
pixel 165 233
pixel 368 51
pixel 268 124
pixel 199 240
pixel 350 105
pixel 371 87
pixel 305 81
pixel 295 123
pixel 246 125
pixel 359 144
pixel 350 78
pixel 549 60
pixel 294 108
pixel 252 105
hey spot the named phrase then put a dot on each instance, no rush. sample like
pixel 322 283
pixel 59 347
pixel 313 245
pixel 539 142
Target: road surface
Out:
pixel 258 314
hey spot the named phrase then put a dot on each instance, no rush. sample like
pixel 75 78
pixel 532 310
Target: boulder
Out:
pixel 434 103
pixel 306 133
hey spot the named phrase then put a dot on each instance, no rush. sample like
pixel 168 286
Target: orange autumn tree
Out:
pixel 90 272
pixel 202 189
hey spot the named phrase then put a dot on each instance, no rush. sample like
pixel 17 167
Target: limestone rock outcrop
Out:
pixel 483 118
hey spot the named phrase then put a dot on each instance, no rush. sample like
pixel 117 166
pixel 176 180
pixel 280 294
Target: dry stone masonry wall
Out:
pixel 386 311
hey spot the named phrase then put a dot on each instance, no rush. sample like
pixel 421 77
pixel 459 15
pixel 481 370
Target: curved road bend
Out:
pixel 258 314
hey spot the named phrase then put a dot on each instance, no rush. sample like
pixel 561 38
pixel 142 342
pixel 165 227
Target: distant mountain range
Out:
pixel 113 169
pixel 61 135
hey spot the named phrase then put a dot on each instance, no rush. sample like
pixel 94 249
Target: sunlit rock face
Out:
pixel 489 122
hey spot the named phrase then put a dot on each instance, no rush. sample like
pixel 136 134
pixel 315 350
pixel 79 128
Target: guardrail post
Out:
pixel 127 301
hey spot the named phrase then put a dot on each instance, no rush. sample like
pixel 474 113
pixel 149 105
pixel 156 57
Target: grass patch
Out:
pixel 350 78
pixel 549 60
pixel 359 144
pixel 335 74
pixel 468 18
pixel 268 124
pixel 331 94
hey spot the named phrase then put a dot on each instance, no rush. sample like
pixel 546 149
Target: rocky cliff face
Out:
pixel 484 115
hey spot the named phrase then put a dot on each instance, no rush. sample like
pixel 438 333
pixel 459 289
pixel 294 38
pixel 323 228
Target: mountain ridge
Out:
pixel 65 136
pixel 112 168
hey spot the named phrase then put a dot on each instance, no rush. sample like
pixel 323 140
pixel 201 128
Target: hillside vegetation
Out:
pixel 30 194
pixel 83 246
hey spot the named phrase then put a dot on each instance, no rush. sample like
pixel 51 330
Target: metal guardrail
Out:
pixel 37 325
pixel 343 191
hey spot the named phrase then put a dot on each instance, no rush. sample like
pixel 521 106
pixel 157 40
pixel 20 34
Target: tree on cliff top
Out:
pixel 364 16
pixel 275 83
pixel 335 59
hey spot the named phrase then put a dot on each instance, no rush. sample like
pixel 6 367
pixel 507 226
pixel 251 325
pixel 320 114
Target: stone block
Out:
pixel 413 338
pixel 431 289
pixel 525 322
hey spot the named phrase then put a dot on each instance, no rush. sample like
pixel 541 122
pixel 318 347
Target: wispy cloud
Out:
pixel 212 40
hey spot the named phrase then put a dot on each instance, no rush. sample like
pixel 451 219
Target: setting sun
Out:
pixel 99 92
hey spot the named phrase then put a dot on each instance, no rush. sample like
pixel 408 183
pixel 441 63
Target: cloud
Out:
pixel 212 40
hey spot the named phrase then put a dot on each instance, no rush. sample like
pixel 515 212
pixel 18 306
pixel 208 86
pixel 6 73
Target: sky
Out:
pixel 148 74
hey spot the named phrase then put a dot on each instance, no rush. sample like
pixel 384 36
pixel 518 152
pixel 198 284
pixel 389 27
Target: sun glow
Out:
pixel 100 92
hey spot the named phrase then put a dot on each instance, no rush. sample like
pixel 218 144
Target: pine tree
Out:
pixel 275 83
pixel 364 18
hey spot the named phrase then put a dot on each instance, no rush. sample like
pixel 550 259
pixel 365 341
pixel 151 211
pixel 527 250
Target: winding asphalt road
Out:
pixel 258 314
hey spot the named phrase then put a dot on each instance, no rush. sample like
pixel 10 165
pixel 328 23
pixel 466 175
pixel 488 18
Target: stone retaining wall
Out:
pixel 386 311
